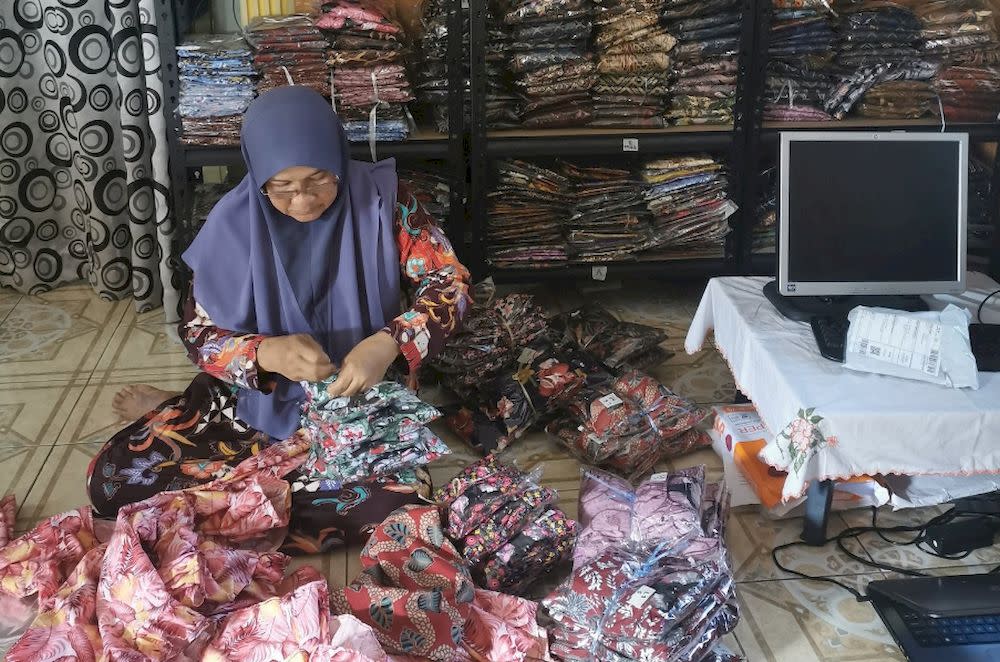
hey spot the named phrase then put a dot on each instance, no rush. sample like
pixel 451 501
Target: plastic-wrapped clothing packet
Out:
pixel 928 346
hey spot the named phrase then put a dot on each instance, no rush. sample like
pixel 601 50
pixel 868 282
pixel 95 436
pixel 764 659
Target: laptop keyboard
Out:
pixel 954 631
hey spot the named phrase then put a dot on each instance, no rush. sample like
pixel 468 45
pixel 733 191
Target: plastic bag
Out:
pixel 931 346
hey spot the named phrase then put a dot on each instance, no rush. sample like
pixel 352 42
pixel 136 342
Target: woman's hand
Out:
pixel 298 357
pixel 365 365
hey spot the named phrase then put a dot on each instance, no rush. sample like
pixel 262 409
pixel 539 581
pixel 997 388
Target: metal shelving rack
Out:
pixel 176 18
pixel 485 146
pixel 765 135
pixel 470 148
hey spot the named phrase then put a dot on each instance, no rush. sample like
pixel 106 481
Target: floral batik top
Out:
pixel 428 263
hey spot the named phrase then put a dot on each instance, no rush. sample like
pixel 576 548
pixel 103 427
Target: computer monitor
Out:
pixel 866 213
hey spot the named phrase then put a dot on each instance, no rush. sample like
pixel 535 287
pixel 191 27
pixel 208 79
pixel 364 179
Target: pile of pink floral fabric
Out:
pixel 192 575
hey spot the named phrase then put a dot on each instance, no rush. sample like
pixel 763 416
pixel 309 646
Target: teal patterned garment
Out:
pixel 378 432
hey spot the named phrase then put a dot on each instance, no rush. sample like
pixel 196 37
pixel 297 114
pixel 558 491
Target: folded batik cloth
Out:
pixel 382 431
pixel 628 426
pixel 614 342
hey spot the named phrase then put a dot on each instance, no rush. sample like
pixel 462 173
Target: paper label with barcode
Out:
pixel 897 339
pixel 659 478
pixel 610 400
pixel 641 595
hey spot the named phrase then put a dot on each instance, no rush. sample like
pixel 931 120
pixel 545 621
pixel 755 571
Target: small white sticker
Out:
pixel 641 595
pixel 610 400
pixel 630 144
pixel 527 356
pixel 658 478
pixel 599 273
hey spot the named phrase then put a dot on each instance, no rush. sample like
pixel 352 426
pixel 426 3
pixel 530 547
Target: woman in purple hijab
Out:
pixel 299 272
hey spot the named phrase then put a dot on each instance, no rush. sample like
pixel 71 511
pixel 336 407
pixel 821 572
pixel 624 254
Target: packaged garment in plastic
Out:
pixel 929 346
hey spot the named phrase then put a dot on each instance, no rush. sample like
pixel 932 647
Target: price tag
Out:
pixel 599 273
pixel 630 144
pixel 610 400
pixel 526 357
pixel 659 478
pixel 641 595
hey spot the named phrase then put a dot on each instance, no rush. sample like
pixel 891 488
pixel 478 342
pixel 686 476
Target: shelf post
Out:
pixel 457 169
pixel 478 161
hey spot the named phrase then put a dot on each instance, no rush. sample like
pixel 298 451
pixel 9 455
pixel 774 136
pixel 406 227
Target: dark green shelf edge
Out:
pixel 197 157
pixel 678 269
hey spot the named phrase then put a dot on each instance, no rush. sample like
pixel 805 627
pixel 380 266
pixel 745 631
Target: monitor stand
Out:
pixel 802 309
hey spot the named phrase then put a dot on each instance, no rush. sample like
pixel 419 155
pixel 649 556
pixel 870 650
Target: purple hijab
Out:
pixel 259 271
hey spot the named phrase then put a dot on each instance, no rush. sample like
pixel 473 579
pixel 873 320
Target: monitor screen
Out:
pixel 879 214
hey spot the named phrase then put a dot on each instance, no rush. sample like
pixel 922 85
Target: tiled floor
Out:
pixel 64 355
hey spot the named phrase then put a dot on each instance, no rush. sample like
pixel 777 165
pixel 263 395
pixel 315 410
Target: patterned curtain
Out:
pixel 84 184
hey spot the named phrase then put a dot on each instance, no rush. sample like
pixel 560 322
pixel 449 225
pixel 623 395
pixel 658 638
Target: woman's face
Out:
pixel 301 192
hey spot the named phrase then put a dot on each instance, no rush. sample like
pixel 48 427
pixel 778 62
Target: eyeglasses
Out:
pixel 314 189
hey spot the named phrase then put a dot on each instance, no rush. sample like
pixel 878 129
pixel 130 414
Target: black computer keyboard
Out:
pixel 952 631
pixel 831 336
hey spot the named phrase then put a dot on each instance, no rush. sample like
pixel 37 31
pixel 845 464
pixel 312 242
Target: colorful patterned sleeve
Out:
pixel 441 282
pixel 227 355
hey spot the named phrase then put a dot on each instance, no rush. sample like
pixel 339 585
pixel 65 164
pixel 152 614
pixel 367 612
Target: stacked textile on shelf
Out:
pixel 980 215
pixel 969 94
pixel 551 59
pixel 705 63
pixel 960 31
pixel 609 218
pixel 528 215
pixel 367 59
pixel 217 85
pixel 687 196
pixel 288 50
pixel 766 214
pixel 651 575
pixel 432 189
pixel 506 525
pixel 633 64
pixel 798 73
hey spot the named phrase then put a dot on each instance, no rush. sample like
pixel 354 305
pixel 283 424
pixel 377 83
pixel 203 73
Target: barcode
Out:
pixel 932 361
pixel 864 347
pixel 875 350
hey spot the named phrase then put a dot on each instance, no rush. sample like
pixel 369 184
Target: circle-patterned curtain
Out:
pixel 84 184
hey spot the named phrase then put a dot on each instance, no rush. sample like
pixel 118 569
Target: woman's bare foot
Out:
pixel 134 401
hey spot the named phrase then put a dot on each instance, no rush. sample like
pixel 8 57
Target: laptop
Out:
pixel 938 619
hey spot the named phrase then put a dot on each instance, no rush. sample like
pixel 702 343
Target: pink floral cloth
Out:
pixel 186 575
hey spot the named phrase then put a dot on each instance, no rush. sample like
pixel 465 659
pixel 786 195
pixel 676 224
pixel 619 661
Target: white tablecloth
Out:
pixel 831 423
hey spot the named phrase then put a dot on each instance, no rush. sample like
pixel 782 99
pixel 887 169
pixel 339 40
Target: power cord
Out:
pixel 857 531
pixel 979 311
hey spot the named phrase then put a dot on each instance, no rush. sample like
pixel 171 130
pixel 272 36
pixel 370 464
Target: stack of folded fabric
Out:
pixel 629 424
pixel 381 432
pixel 878 34
pixel 617 344
pixel 687 196
pixel 415 593
pixel 798 75
pixel 651 577
pixel 960 31
pixel 633 64
pixel 505 524
pixel 551 59
pixel 609 218
pixel 367 57
pixel 528 216
pixel 708 35
pixel 216 87
pixel 969 94
pixel 494 333
pixel 897 100
pixel 980 215
pixel 289 50
pixel 432 189
pixel 764 232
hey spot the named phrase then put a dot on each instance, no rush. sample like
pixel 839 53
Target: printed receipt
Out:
pixel 899 339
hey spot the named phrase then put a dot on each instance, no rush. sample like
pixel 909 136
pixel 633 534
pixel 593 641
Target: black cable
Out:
pixel 857 531
pixel 979 311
